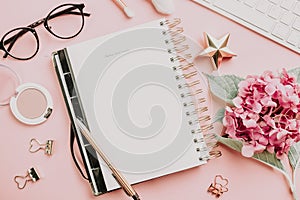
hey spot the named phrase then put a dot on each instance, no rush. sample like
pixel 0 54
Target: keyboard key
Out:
pixel 275 1
pixel 263 6
pixel 296 24
pixel 281 31
pixel 276 12
pixel 297 9
pixel 251 3
pixel 287 4
pixel 294 38
pixel 287 18
pixel 251 16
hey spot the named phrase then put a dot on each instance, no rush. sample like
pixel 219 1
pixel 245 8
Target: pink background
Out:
pixel 248 179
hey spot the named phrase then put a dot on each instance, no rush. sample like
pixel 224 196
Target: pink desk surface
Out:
pixel 248 179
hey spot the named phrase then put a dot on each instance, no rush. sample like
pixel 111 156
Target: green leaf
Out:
pixel 294 155
pixel 219 115
pixel 231 143
pixel 264 157
pixel 296 73
pixel 224 87
pixel 269 159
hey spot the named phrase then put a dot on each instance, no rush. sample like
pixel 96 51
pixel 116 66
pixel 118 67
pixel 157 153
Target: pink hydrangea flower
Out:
pixel 264 115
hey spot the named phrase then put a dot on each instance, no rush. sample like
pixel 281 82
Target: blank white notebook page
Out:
pixel 133 105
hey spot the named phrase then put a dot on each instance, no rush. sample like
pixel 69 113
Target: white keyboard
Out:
pixel 278 20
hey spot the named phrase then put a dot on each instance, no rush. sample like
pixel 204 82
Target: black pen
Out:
pixel 115 173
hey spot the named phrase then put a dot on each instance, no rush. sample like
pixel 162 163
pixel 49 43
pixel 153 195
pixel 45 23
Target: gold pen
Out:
pixel 115 173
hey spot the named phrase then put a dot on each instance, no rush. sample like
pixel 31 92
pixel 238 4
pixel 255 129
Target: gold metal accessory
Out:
pixel 35 146
pixel 216 50
pixel 219 186
pixel 31 175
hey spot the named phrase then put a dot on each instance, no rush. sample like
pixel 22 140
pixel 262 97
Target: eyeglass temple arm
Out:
pixel 14 38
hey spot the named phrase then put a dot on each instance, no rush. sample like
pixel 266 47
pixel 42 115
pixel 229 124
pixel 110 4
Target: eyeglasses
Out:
pixel 23 43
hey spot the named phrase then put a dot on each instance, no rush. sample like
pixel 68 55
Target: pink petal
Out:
pixel 269 121
pixel 237 102
pixel 258 148
pixel 228 109
pixel 270 89
pixel 254 116
pixel 257 107
pixel 243 84
pixel 281 134
pixel 249 123
pixel 267 101
pixel 279 155
pixel 271 149
pixel 263 141
pixel 247 150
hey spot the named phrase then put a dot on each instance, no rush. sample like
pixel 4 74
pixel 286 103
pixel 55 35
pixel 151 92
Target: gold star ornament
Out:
pixel 216 49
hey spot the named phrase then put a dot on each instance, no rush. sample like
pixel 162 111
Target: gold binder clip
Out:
pixel 35 146
pixel 218 187
pixel 31 175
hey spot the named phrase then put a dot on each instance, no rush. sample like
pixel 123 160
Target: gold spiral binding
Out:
pixel 177 58
pixel 190 75
pixel 211 155
pixel 202 100
pixel 199 140
pixel 188 56
pixel 204 118
pixel 188 94
pixel 200 110
pixel 208 147
pixel 198 91
pixel 188 85
pixel 186 76
pixel 171 23
pixel 201 149
pixel 178 40
pixel 188 66
pixel 194 83
pixel 210 137
pixel 212 145
pixel 183 67
pixel 198 115
pixel 206 127
pixel 185 104
pixel 197 111
pixel 182 48
pixel 211 140
pixel 175 31
pixel 180 58
pixel 214 154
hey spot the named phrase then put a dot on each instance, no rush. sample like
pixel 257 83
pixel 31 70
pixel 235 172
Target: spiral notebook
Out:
pixel 139 95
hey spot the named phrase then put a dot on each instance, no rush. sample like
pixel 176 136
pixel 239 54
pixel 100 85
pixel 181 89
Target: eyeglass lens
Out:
pixel 64 24
pixel 21 38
